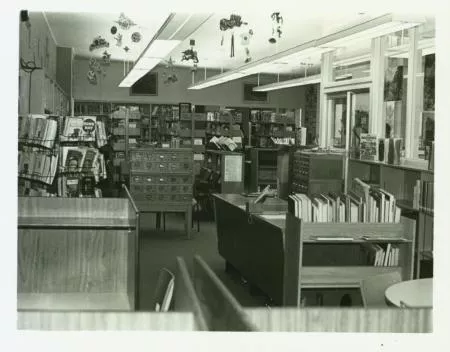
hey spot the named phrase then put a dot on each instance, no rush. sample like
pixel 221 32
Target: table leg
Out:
pixel 188 222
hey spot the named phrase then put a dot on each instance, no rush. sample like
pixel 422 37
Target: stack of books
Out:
pixel 222 143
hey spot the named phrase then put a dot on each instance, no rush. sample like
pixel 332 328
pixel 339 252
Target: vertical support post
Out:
pixel 323 121
pixel 411 97
pixel 377 124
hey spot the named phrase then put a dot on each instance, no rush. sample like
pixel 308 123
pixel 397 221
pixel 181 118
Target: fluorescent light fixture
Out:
pixel 376 27
pixel 289 83
pixel 176 28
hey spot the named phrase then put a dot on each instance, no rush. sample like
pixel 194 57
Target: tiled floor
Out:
pixel 159 249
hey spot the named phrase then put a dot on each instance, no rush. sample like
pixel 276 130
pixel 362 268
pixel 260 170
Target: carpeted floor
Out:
pixel 159 249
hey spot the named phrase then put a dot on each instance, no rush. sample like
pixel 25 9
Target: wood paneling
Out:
pixel 342 320
pixel 105 321
pixel 220 308
pixel 101 208
pixel 186 299
pixel 78 301
pixel 72 261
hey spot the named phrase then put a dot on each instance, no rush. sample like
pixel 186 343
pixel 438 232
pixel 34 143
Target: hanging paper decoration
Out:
pixel 98 43
pixel 118 39
pixel 225 24
pixel 245 41
pixel 94 65
pixel 92 77
pixel 170 77
pixel 113 30
pixel 277 23
pixel 106 58
pixel 190 54
pixel 136 37
pixel 126 48
pixel 124 22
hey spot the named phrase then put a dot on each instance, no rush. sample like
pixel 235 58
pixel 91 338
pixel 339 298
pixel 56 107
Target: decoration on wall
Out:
pixel 277 23
pixel 136 37
pixel 98 43
pixel 233 22
pixel 91 77
pixel 106 58
pixel 113 30
pixel 124 22
pixel 118 39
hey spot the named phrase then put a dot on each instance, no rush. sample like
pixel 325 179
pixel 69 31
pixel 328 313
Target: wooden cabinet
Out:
pixel 227 169
pixel 317 173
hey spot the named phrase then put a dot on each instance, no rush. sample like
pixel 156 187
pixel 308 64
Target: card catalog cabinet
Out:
pixel 162 175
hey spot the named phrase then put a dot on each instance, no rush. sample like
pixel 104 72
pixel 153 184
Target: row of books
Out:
pixel 83 160
pixel 37 165
pixel 386 150
pixel 381 255
pixel 423 198
pixel 344 208
pixel 38 130
pixel 84 128
pixel 380 205
pixel 282 141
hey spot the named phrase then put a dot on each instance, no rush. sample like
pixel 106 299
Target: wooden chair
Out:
pixel 162 299
pixel 374 287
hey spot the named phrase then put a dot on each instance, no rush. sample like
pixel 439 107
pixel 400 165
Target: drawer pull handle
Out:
pixel 161 180
pixel 161 166
pixel 161 156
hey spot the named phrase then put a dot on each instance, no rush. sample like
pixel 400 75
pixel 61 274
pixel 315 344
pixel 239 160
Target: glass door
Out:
pixel 349 118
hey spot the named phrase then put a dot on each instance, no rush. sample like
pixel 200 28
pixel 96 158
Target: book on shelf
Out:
pixel 80 128
pixel 101 134
pixel 378 254
pixel 368 149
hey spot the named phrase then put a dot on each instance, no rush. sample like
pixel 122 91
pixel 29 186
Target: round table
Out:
pixel 413 293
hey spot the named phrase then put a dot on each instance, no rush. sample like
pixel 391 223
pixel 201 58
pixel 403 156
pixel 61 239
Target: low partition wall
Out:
pixel 77 254
pixel 380 320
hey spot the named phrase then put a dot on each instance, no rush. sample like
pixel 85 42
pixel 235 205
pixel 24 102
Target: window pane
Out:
pixel 352 63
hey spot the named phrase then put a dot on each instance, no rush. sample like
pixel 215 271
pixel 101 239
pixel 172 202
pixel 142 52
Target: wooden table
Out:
pixel 413 293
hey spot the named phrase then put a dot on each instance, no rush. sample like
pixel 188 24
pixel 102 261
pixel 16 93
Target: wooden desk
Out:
pixel 413 293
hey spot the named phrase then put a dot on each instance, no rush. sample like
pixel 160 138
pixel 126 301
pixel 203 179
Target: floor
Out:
pixel 159 249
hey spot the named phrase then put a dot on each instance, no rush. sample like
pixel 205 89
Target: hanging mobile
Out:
pixel 124 22
pixel 277 23
pixel 136 37
pixel 118 39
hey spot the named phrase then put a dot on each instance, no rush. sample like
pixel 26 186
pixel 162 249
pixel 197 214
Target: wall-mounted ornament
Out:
pixel 277 23
pixel 98 43
pixel 136 37
pixel 124 22
pixel 106 58
pixel 118 39
pixel 113 30
pixel 91 77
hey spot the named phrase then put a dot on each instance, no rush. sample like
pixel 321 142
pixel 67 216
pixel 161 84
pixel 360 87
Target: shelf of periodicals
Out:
pixel 59 156
pixel 270 128
pixel 413 187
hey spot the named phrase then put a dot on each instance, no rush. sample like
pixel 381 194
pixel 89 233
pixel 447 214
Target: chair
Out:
pixel 164 291
pixel 374 287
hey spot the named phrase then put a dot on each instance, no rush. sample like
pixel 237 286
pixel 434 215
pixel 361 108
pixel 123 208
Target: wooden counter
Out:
pixel 77 254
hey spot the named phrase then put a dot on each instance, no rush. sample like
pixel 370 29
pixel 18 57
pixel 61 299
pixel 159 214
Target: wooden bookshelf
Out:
pixel 400 181
pixel 305 268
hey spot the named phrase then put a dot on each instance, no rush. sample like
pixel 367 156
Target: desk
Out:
pixel 414 293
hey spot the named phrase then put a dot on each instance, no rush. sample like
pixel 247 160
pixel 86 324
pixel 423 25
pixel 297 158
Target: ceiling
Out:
pixel 77 30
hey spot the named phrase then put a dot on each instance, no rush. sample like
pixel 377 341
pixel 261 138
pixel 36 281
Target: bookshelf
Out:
pixel 270 127
pixel 165 124
pixel 263 168
pixel 401 180
pixel 329 262
pixel 311 113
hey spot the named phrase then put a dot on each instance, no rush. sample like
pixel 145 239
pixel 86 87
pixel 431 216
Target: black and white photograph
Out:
pixel 226 170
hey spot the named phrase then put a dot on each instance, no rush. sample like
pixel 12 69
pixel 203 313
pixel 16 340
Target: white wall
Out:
pixel 227 94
